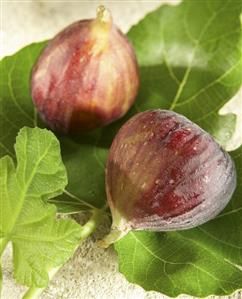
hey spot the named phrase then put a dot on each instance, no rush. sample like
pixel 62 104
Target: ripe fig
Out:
pixel 165 173
pixel 86 77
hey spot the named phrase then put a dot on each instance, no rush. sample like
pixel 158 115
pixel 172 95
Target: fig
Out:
pixel 86 77
pixel 165 173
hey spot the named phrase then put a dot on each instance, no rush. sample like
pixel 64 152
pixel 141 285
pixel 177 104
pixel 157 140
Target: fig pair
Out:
pixel 163 171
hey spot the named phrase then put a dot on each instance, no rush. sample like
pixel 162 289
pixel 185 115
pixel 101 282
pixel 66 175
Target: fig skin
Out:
pixel 86 77
pixel 165 173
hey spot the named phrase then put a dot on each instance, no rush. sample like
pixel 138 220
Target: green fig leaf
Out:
pixel 190 59
pixel 40 242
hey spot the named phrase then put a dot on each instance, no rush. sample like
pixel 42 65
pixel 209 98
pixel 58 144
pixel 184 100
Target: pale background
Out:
pixel 93 272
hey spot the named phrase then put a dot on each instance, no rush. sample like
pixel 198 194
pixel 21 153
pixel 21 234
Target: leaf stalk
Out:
pixel 87 230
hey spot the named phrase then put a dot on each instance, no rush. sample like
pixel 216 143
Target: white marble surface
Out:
pixel 92 273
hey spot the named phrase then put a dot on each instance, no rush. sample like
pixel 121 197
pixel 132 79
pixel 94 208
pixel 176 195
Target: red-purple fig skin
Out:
pixel 86 77
pixel 166 173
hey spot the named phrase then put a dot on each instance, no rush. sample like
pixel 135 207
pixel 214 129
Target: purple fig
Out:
pixel 165 173
pixel 86 77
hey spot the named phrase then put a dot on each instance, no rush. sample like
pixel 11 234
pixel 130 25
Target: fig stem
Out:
pixel 112 237
pixel 87 229
pixel 103 14
pixel 33 292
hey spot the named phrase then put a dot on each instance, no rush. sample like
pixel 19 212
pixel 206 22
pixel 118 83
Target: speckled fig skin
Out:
pixel 86 77
pixel 165 173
